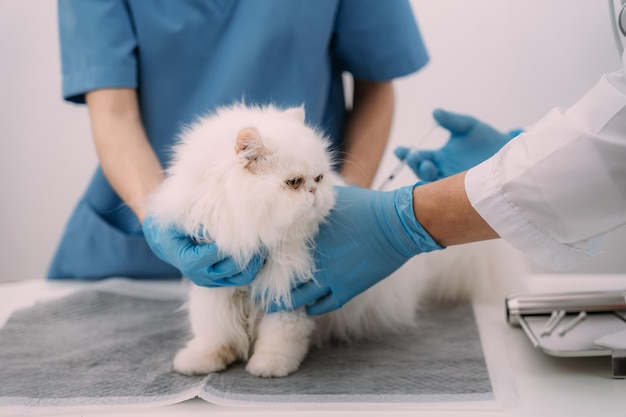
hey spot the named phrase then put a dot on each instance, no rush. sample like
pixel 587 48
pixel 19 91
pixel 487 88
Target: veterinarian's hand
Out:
pixel 471 142
pixel 369 235
pixel 202 263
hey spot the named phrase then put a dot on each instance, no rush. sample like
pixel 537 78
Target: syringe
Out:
pixel 403 162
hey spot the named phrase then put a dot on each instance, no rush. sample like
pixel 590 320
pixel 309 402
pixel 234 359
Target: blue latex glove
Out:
pixel 471 142
pixel 369 234
pixel 202 263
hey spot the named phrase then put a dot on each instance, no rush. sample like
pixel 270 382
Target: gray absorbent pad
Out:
pixel 96 347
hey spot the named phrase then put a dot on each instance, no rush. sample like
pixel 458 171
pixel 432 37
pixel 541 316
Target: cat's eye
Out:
pixel 318 178
pixel 294 183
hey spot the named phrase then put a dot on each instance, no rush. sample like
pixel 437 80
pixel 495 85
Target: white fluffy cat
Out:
pixel 257 179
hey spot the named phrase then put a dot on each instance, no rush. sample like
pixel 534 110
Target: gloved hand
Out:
pixel 202 263
pixel 369 235
pixel 471 142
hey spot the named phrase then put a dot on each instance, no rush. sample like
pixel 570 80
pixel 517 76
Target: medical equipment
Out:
pixel 593 316
pixel 555 318
pixel 403 162
pixel 618 21
pixel 570 325
pixel 548 325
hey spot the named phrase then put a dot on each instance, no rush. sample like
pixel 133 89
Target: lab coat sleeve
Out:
pixel 378 40
pixel 554 190
pixel 97 47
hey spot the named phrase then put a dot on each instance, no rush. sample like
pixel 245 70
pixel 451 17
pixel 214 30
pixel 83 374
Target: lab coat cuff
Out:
pixel 484 193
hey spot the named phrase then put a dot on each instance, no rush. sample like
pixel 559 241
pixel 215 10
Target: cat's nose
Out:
pixel 312 190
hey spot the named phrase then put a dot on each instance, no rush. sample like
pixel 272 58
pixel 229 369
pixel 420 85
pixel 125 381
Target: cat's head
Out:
pixel 284 172
pixel 247 176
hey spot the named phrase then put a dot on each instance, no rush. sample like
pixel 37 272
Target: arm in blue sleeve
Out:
pixel 98 47
pixel 378 41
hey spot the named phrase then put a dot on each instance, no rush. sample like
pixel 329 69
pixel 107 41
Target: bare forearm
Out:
pixel 443 209
pixel 126 156
pixel 367 131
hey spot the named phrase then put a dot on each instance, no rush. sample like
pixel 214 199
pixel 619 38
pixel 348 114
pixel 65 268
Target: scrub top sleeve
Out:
pixel 378 40
pixel 98 47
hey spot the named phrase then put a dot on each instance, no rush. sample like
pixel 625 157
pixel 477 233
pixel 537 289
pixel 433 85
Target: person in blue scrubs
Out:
pixel 147 68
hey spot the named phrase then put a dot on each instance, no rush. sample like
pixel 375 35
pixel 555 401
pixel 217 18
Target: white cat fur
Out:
pixel 213 188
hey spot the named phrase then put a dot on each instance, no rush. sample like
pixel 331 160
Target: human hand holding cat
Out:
pixel 368 235
pixel 471 142
pixel 202 263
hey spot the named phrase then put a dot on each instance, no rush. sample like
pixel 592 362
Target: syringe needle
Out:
pixel 397 169
pixel 404 161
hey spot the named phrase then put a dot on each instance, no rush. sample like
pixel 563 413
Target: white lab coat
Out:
pixel 554 190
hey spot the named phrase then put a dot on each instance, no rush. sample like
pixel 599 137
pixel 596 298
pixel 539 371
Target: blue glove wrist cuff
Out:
pixel 415 239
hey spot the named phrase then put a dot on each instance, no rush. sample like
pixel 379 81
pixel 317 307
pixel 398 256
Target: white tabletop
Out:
pixel 526 381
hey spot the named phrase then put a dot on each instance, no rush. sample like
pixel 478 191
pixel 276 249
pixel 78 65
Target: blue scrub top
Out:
pixel 186 57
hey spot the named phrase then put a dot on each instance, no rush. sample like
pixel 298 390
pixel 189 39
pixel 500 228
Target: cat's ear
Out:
pixel 297 113
pixel 249 146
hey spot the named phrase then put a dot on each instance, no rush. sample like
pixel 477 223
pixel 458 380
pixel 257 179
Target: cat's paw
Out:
pixel 271 365
pixel 192 360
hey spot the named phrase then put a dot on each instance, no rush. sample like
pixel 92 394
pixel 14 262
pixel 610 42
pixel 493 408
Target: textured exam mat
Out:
pixel 97 347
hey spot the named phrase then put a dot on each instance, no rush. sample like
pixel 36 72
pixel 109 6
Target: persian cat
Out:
pixel 260 179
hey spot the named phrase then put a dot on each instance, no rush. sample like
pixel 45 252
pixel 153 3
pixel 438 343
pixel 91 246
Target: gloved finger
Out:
pixel 247 275
pixel 275 308
pixel 414 159
pixel 454 122
pixel 323 306
pixel 206 276
pixel 401 152
pixel 204 263
pixel 423 165
pixel 203 280
pixel 190 251
pixel 427 171
pixel 302 295
pixel 237 280
pixel 225 269
pixel 307 293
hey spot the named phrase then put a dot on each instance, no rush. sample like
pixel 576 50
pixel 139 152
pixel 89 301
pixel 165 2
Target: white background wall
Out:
pixel 507 62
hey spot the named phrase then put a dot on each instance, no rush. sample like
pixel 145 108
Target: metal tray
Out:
pixel 605 313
